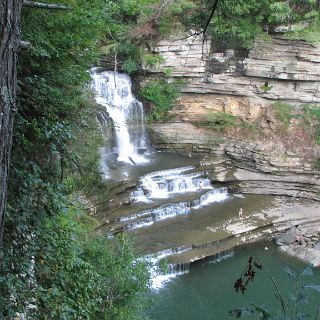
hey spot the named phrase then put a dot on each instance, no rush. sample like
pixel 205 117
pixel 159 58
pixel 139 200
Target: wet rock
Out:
pixel 288 237
pixel 317 246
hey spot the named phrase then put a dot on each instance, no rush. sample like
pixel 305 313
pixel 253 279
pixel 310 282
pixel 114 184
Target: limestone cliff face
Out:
pixel 291 69
pixel 240 82
pixel 245 84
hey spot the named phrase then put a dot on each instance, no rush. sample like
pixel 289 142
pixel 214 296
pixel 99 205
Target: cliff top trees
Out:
pixel 10 45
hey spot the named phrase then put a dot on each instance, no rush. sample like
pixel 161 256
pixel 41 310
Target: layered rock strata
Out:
pixel 245 84
pixel 275 69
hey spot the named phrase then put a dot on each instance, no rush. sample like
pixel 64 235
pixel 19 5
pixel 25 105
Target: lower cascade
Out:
pixel 172 209
pixel 148 217
pixel 162 184
pixel 113 92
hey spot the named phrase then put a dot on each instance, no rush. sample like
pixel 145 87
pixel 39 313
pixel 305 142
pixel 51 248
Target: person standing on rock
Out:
pixel 240 213
pixel 299 236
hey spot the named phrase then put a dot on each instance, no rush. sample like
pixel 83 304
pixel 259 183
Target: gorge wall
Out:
pixel 245 84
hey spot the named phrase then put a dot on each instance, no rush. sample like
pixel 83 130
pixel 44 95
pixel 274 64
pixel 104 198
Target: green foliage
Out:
pixel 317 164
pixel 162 94
pixel 238 22
pixel 152 60
pixel 176 12
pixel 283 112
pixel 288 12
pixel 281 13
pixel 309 33
pixel 132 27
pixel 131 54
pixel 221 120
pixel 311 118
pixel 235 24
pixel 82 174
pixel 291 308
pixel 65 273
pixel 167 72
pixel 51 267
pixel 130 66
pixel 266 88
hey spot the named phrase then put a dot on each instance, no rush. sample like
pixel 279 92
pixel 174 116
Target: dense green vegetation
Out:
pixel 311 119
pixel 53 267
pixel 235 24
pixel 162 95
pixel 221 120
pixel 308 117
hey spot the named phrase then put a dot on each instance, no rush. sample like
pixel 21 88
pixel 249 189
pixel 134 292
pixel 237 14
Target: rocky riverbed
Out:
pixel 264 162
pixel 211 226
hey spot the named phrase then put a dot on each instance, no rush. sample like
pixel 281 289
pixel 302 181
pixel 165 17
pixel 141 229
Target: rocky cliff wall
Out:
pixel 245 84
pixel 291 69
pixel 240 81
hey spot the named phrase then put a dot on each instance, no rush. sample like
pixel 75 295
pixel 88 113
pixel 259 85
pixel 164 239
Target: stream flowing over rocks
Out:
pixel 184 207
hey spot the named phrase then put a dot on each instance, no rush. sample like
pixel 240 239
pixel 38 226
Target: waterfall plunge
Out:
pixel 113 91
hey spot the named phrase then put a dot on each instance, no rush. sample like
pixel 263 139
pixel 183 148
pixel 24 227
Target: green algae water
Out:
pixel 206 291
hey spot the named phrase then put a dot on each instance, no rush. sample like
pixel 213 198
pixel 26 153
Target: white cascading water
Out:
pixel 158 279
pixel 149 217
pixel 162 184
pixel 215 195
pixel 113 91
pixel 221 256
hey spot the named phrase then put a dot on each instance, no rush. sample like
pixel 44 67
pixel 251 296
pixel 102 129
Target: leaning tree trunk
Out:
pixel 9 45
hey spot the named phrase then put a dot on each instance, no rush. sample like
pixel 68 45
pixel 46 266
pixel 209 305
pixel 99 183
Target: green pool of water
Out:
pixel 207 292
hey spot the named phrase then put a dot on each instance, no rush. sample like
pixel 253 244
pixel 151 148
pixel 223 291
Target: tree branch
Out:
pixel 24 45
pixel 204 31
pixel 213 10
pixel 33 4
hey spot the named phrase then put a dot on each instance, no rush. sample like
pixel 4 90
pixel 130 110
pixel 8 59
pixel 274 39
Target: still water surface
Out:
pixel 207 292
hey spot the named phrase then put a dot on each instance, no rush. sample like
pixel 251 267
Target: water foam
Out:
pixel 113 91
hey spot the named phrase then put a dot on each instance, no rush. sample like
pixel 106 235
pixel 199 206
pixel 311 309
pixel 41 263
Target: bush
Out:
pixel 162 94
pixel 51 266
pixel 311 119
pixel 302 294
pixel 283 112
pixel 152 60
pixel 221 120
pixel 317 164
pixel 73 275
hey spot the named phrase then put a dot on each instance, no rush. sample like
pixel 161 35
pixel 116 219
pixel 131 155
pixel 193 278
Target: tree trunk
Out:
pixel 10 11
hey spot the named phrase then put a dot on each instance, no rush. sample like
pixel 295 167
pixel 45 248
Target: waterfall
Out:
pixel 158 279
pixel 113 91
pixel 215 195
pixel 148 217
pixel 162 184
pixel 221 256
pixel 178 268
